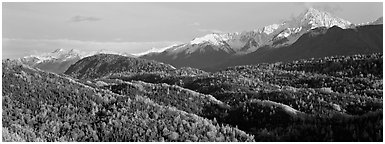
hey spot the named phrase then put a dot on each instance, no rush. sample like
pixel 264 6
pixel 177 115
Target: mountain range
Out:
pixel 216 51
pixel 311 34
pixel 60 60
pixel 317 43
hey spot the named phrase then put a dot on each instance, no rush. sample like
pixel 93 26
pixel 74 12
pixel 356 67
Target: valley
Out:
pixel 327 99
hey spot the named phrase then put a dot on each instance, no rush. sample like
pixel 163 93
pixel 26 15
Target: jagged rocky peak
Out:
pixel 316 18
pixel 309 19
pixel 270 28
pixel 274 35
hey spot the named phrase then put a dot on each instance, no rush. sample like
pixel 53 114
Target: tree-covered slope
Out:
pixel 106 64
pixel 41 106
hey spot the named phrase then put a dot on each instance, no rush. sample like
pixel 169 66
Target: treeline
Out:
pixel 369 66
pixel 168 95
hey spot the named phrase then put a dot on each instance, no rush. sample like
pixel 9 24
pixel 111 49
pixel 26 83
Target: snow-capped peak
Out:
pixel 275 35
pixel 58 54
pixel 310 19
pixel 315 18
pixel 156 50
pixel 213 38
pixel 63 55
pixel 270 28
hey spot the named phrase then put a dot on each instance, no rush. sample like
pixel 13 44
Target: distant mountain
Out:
pixel 378 21
pixel 154 50
pixel 212 49
pixel 375 22
pixel 59 60
pixel 106 64
pixel 215 50
pixel 318 43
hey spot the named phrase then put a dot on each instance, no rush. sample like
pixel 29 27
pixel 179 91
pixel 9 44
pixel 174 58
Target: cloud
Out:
pixel 15 48
pixel 210 30
pixel 84 19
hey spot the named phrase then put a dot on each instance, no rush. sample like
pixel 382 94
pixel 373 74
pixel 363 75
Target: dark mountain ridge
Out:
pixel 198 59
pixel 318 43
pixel 105 64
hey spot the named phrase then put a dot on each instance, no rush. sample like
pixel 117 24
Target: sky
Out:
pixel 35 28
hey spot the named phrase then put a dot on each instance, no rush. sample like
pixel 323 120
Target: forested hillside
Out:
pixel 41 106
pixel 327 99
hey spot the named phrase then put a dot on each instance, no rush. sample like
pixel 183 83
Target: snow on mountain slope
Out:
pixel 63 55
pixel 310 19
pixel 315 18
pixel 270 28
pixel 155 50
pixel 213 38
pixel 59 60
pixel 58 54
pixel 214 49
pixel 274 35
